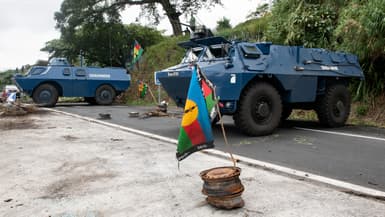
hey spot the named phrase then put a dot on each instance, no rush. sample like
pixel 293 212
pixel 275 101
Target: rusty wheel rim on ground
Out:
pixel 223 187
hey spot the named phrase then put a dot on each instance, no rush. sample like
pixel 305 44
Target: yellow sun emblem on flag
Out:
pixel 190 113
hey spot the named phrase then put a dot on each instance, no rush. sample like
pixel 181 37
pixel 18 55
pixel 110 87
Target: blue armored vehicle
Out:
pixel 97 85
pixel 259 84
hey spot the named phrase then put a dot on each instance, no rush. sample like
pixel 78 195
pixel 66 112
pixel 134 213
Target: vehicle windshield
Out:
pixel 219 50
pixel 192 55
pixel 36 70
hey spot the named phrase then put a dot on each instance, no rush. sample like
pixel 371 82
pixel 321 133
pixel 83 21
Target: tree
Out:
pixel 361 31
pixel 304 22
pixel 260 11
pixel 74 12
pixel 222 24
pixel 6 78
pixel 102 44
pixel 59 48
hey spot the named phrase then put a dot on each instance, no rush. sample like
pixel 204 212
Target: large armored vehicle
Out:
pixel 259 84
pixel 97 85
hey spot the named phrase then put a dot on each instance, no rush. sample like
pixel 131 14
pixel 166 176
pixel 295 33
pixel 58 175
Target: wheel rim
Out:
pixel 339 109
pixel 262 110
pixel 105 95
pixel 45 96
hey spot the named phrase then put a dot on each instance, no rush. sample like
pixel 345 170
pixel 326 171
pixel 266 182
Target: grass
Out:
pixel 361 113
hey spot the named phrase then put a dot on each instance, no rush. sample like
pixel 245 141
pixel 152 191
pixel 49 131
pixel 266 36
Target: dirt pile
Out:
pixel 16 109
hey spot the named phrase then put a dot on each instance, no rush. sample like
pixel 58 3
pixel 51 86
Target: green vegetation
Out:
pixel 102 44
pixel 223 24
pixel 159 56
pixel 75 13
pixel 362 110
pixel 251 30
pixel 361 30
pixel 6 78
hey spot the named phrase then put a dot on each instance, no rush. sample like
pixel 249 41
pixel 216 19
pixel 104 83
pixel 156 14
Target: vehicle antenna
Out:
pixel 109 42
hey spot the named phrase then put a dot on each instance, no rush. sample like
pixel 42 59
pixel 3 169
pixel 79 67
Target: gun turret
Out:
pixel 197 32
pixel 201 32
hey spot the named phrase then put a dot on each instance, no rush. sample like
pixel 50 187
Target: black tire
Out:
pixel 333 108
pixel 259 110
pixel 105 95
pixel 286 112
pixel 45 95
pixel 90 100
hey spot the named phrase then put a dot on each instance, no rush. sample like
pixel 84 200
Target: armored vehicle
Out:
pixel 97 85
pixel 259 84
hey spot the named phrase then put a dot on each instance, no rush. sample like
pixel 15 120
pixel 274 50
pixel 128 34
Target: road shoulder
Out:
pixel 57 165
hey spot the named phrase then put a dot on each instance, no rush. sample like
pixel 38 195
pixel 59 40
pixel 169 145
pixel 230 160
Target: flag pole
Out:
pixel 152 95
pixel 225 137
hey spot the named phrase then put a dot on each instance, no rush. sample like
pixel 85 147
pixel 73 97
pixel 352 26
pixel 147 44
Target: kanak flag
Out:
pixel 195 132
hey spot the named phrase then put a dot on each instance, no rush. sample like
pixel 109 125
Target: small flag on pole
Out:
pixel 195 133
pixel 142 89
pixel 137 53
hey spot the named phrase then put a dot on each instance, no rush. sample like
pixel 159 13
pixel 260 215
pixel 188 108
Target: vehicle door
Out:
pixel 80 82
pixel 66 81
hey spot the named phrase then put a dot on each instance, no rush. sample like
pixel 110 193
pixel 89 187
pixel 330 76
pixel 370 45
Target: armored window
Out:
pixel 250 51
pixel 219 50
pixel 192 55
pixel 208 55
pixel 37 70
pixel 80 72
pixel 66 71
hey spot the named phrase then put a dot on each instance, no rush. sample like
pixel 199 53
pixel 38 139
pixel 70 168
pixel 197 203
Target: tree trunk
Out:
pixel 173 16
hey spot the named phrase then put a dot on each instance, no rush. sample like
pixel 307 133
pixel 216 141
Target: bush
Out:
pixel 362 110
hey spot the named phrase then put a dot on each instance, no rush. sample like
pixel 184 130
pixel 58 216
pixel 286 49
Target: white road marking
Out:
pixel 360 190
pixel 342 134
pixel 344 186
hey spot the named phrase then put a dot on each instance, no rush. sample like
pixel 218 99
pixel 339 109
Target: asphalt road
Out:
pixel 351 154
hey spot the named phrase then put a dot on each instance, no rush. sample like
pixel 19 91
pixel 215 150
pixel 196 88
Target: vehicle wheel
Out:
pixel 333 108
pixel 286 112
pixel 105 95
pixel 259 111
pixel 90 100
pixel 45 95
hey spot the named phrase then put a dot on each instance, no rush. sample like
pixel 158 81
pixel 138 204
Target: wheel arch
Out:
pixel 325 82
pixel 272 80
pixel 259 108
pixel 58 87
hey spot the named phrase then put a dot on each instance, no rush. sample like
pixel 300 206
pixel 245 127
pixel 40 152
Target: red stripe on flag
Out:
pixel 206 89
pixel 195 133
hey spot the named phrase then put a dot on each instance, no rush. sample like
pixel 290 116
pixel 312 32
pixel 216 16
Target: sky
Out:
pixel 25 25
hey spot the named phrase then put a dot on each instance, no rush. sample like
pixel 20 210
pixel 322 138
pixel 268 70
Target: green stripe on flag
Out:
pixel 184 142
pixel 210 102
